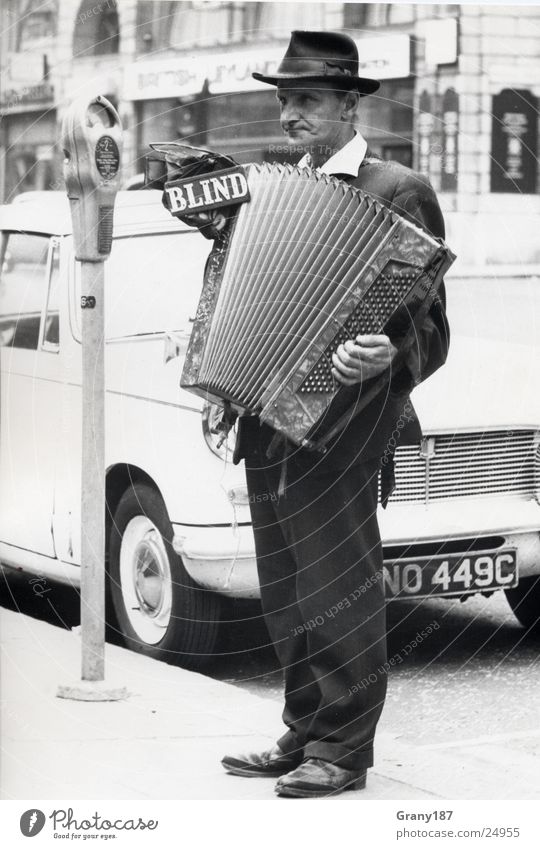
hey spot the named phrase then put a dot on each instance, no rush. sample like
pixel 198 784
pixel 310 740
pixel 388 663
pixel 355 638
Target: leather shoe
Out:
pixel 315 777
pixel 271 763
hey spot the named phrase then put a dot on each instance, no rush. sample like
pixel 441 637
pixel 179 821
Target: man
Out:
pixel 317 541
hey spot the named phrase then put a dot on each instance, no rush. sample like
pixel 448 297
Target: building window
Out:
pixel 375 14
pixel 170 120
pixel 97 30
pixel 155 20
pixel 37 21
pixel 386 121
pixel 247 19
pixel 446 10
pixel 28 169
pixel 361 15
pixel 247 126
pixel 401 14
pixel 204 22
pixel 355 15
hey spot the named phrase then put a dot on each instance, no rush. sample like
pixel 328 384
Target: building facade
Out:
pixel 458 101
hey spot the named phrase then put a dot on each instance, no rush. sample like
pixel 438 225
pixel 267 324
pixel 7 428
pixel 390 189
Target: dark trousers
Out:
pixel 319 561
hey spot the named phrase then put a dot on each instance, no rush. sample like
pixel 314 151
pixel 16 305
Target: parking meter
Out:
pixel 92 145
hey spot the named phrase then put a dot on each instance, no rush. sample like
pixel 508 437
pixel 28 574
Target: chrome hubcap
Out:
pixel 145 577
pixel 150 574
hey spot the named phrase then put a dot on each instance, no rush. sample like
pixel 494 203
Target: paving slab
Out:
pixel 165 741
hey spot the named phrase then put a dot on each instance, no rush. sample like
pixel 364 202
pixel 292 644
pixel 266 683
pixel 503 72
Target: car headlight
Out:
pixel 222 446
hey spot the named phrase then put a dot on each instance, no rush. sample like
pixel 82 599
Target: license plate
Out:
pixel 451 574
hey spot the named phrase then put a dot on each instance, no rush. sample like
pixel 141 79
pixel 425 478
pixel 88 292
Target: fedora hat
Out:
pixel 323 56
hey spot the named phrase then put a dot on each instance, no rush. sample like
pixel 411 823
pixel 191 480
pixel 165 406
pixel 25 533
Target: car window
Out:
pixel 23 279
pixel 51 335
pixel 152 283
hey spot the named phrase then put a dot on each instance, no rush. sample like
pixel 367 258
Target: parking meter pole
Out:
pixel 92 141
pixel 93 479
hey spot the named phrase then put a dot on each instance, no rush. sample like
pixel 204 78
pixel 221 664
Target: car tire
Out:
pixel 160 611
pixel 525 602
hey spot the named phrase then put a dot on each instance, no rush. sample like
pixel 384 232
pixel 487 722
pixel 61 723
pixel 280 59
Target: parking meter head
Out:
pixel 92 146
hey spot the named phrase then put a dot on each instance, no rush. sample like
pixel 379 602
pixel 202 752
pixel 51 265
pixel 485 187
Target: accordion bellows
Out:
pixel 306 264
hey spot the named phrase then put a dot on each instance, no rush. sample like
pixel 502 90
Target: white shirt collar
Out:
pixel 347 160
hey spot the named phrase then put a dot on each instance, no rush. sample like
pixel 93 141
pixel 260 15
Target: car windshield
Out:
pixel 152 283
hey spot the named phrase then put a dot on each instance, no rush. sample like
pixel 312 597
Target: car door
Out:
pixel 30 400
pixel 152 287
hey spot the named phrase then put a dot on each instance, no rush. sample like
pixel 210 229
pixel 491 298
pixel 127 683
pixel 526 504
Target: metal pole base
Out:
pixel 91 691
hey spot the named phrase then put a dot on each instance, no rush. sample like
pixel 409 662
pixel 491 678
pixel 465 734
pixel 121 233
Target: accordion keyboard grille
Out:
pixel 369 316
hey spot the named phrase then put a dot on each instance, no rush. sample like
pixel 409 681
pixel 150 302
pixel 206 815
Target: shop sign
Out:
pixel 232 71
pixel 514 141
pixel 381 57
pixel 225 72
pixel 13 99
pixel 146 80
pixel 450 133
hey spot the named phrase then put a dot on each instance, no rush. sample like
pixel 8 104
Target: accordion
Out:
pixel 307 263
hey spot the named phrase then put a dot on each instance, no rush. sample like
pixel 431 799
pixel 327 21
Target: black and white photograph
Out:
pixel 269 421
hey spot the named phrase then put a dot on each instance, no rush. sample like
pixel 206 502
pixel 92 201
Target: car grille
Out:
pixel 466 465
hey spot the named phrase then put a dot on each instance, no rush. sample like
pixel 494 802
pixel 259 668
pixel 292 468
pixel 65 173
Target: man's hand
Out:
pixel 209 223
pixel 365 357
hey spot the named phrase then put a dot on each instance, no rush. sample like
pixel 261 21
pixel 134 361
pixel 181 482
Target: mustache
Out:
pixel 292 125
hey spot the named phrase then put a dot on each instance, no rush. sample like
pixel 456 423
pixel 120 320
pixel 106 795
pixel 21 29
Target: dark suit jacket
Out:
pixel 367 436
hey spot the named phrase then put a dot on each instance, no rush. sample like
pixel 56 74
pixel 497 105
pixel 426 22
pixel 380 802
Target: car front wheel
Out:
pixel 525 601
pixel 159 609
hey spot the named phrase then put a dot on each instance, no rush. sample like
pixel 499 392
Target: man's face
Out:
pixel 312 116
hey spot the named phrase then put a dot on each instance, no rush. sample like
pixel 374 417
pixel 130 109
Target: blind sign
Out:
pixel 514 141
pixel 226 187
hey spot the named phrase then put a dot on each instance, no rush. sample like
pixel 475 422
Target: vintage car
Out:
pixel 464 519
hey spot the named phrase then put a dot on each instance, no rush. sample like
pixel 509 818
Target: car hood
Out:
pixel 483 385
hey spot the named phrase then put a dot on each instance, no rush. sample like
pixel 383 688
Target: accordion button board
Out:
pixel 306 264
pixel 369 316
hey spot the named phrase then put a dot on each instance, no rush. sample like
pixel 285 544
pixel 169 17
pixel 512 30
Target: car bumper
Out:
pixel 219 558
pixel 223 558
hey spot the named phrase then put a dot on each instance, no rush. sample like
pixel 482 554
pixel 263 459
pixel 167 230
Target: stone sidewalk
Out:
pixel 165 741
